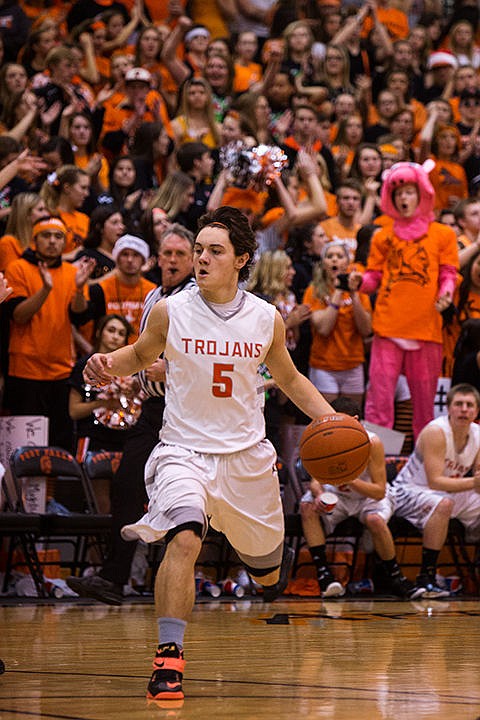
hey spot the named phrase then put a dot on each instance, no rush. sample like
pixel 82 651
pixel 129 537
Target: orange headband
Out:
pixel 50 223
pixel 389 149
pixel 98 25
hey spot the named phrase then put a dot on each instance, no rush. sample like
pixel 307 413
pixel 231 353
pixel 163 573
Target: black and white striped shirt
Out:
pixel 156 388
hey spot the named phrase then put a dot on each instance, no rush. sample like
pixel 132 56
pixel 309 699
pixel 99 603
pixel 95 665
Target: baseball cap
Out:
pixel 138 74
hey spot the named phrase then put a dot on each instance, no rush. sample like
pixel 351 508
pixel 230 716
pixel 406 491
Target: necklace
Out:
pixel 130 308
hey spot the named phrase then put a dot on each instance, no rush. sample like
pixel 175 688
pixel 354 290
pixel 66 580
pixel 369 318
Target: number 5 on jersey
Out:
pixel 222 385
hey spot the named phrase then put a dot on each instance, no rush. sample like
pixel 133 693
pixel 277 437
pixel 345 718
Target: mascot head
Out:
pixel 409 173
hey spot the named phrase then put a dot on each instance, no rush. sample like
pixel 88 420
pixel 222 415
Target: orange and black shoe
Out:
pixel 166 680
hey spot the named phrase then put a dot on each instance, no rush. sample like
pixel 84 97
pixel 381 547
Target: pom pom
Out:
pixel 254 167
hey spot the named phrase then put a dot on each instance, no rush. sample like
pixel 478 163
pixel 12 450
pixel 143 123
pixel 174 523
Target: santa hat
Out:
pixel 441 58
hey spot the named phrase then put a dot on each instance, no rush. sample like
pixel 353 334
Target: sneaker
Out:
pixel 271 592
pixel 329 587
pixel 166 680
pixel 432 590
pixel 404 588
pixel 96 587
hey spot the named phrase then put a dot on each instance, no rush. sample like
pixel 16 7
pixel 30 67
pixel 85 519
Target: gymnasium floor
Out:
pixel 295 658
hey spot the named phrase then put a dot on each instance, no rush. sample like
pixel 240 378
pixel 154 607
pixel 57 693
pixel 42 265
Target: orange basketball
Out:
pixel 335 449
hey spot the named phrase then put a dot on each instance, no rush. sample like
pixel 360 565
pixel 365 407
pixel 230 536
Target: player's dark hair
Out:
pixel 188 153
pixel 240 233
pixel 346 405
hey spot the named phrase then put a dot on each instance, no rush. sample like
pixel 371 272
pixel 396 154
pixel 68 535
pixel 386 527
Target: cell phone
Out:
pixel 343 281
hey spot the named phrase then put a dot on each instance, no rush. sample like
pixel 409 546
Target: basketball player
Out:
pixel 213 460
pixel 433 486
pixel 367 498
pixel 128 497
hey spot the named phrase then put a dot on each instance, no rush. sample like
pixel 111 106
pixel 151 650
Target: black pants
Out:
pixel 43 397
pixel 128 495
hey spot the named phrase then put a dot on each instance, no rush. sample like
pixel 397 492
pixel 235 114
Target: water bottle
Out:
pixel 230 587
pixel 209 588
pixel 54 590
pixel 362 587
pixel 199 580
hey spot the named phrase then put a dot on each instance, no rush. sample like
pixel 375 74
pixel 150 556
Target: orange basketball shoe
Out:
pixel 166 680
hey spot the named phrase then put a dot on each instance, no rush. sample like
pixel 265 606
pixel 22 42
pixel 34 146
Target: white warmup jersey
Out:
pixel 456 464
pixel 214 395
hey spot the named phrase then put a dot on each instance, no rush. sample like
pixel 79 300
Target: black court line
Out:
pixel 366 616
pixel 191 697
pixel 294 696
pixel 259 683
pixel 57 716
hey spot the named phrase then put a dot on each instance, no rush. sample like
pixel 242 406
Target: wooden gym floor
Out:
pixel 295 658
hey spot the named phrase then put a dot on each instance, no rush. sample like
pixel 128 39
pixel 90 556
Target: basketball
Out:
pixel 335 449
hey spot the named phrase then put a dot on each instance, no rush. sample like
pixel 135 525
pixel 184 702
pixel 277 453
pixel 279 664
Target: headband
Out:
pixel 49 223
pixel 159 213
pixel 197 32
pixel 335 243
pixel 387 148
pixel 98 25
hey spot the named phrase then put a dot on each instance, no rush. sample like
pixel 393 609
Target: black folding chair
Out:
pixel 99 468
pixel 81 527
pixel 21 531
pixel 348 532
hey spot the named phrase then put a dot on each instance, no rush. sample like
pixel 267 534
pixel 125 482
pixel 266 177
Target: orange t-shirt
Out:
pixel 77 224
pixel 208 13
pixel 159 11
pixel 405 304
pixel 115 115
pixel 10 250
pixel 449 180
pixel 81 161
pixel 126 300
pixel 42 349
pixel 343 349
pixel 332 205
pixel 455 103
pixel 245 76
pixel 394 20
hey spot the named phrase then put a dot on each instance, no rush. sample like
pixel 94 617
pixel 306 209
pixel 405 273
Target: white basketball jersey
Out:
pixel 214 395
pixel 456 464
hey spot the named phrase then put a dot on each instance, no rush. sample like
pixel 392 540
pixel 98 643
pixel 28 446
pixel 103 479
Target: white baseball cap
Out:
pixel 138 74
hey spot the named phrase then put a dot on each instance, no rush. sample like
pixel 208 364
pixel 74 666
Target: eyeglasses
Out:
pixel 470 103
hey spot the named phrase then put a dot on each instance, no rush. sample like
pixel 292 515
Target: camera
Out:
pixel 343 281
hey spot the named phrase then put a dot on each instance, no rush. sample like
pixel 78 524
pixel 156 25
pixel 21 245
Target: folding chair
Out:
pixel 100 468
pixel 82 527
pixel 347 533
pixel 21 530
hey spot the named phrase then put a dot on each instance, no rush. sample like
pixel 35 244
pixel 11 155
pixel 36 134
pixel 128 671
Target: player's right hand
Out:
pixel 97 370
